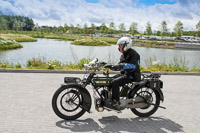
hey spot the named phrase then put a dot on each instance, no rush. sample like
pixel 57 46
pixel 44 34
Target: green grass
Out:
pixel 155 44
pixel 90 42
pixel 41 63
pixel 18 38
pixel 165 68
pixel 178 64
pixel 7 44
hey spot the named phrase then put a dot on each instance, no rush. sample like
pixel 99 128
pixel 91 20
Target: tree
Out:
pixel 122 27
pixel 164 29
pixel 85 29
pixel 60 29
pixel 111 28
pixel 92 30
pixel 36 27
pixel 28 24
pixel 133 28
pixel 16 23
pixel 158 33
pixel 55 29
pixel 71 28
pixel 66 27
pixel 178 29
pixel 198 29
pixel 16 26
pixel 3 23
pixel 78 28
pixel 103 28
pixel 148 28
pixel 198 26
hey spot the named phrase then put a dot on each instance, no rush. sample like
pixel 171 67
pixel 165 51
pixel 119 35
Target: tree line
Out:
pixel 20 23
pixel 16 23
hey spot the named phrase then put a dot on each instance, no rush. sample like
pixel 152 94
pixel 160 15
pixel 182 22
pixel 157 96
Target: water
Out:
pixel 65 52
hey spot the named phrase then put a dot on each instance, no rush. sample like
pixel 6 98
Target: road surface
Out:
pixel 25 107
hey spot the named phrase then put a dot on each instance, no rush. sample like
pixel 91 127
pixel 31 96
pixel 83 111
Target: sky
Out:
pixel 59 12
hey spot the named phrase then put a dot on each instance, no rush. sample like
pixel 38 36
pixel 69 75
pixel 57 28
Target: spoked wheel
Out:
pixel 67 103
pixel 151 98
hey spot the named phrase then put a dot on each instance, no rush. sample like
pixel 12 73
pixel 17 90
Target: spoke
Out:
pixel 73 96
pixel 73 99
pixel 78 105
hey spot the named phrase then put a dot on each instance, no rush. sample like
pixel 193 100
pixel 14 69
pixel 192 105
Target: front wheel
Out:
pixel 67 103
pixel 151 97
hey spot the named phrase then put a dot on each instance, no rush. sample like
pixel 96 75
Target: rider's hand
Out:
pixel 118 67
pixel 103 63
pixel 108 66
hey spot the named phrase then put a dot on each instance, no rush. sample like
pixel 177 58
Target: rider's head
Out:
pixel 124 43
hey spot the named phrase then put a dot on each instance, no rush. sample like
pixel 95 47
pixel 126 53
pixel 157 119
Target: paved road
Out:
pixel 25 107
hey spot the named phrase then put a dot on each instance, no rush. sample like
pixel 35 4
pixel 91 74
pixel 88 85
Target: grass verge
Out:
pixel 40 63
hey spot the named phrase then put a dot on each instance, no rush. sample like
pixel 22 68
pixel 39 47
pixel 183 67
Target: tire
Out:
pixel 151 109
pixel 62 103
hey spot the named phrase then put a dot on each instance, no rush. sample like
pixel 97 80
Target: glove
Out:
pixel 103 63
pixel 108 66
pixel 118 67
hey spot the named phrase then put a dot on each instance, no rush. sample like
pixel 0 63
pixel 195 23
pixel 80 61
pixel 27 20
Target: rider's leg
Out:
pixel 116 83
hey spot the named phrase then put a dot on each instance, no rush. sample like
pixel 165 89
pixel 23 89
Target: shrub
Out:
pixel 18 65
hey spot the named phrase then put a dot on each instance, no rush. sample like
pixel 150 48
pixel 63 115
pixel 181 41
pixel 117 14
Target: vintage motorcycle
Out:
pixel 73 99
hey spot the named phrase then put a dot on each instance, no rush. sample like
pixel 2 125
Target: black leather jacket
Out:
pixel 130 64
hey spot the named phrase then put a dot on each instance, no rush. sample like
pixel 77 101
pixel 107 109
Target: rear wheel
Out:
pixel 151 97
pixel 67 103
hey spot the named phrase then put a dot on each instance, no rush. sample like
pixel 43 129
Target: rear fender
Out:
pixel 87 102
pixel 143 84
pixel 160 94
pixel 138 85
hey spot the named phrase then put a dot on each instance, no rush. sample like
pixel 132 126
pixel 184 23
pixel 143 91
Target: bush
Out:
pixel 18 65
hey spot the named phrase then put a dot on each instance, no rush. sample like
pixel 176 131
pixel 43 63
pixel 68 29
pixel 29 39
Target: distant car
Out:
pixel 116 36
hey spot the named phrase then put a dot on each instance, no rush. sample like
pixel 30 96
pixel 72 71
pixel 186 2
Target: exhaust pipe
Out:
pixel 137 102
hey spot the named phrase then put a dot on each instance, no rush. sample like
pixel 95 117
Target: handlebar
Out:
pixel 94 65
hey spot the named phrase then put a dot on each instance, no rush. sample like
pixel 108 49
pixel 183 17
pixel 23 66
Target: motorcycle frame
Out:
pixel 87 101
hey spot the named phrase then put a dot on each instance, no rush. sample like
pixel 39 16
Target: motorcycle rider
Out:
pixel 129 65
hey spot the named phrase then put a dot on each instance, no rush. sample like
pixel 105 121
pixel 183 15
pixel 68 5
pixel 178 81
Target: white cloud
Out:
pixel 58 12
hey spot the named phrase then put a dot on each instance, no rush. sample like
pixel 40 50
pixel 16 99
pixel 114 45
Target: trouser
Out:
pixel 119 80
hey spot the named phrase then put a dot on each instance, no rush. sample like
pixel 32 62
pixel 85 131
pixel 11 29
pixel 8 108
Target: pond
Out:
pixel 65 52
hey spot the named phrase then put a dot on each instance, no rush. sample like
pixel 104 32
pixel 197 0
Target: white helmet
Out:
pixel 126 41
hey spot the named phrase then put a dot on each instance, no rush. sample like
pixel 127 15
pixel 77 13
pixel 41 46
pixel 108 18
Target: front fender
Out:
pixel 87 101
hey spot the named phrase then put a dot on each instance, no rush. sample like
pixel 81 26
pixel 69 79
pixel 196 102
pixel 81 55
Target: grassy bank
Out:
pixel 73 37
pixel 154 44
pixel 7 44
pixel 41 63
pixel 18 37
pixel 90 42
